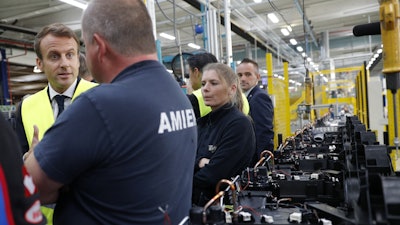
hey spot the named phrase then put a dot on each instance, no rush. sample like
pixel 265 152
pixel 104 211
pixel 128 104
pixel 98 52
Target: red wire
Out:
pixel 252 210
pixel 167 220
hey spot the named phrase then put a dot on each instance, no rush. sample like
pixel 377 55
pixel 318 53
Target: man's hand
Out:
pixel 203 162
pixel 35 141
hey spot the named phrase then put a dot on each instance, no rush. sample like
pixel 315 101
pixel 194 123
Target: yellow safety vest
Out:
pixel 37 110
pixel 204 110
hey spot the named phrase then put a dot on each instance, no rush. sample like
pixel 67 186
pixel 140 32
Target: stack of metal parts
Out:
pixel 321 175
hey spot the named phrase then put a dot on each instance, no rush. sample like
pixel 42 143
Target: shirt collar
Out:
pixel 248 91
pixel 69 92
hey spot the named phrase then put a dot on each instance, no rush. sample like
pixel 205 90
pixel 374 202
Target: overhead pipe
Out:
pixel 275 42
pixel 325 54
pixel 228 36
pixel 239 31
pixel 212 32
pixel 269 35
pixel 36 13
pixel 17 29
pixel 151 10
pixel 281 50
pixel 16 43
pixel 308 27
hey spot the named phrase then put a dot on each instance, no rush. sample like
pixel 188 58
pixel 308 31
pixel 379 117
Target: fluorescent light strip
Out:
pixel 285 32
pixel 76 3
pixel 193 46
pixel 273 18
pixel 167 36
pixel 299 48
pixel 293 41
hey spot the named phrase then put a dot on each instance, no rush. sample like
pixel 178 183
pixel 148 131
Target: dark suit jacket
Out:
pixel 262 113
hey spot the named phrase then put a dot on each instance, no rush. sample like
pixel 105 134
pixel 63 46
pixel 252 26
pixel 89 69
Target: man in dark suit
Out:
pixel 261 108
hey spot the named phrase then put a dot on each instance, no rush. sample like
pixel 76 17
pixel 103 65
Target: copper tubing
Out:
pixel 262 158
pixel 234 199
pixel 281 200
pixel 258 163
pixel 209 203
pixel 265 152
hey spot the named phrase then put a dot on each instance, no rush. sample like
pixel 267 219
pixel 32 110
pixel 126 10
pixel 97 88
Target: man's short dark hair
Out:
pixel 247 60
pixel 200 60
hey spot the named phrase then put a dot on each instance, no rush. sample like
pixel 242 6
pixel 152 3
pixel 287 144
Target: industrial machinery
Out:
pixel 328 172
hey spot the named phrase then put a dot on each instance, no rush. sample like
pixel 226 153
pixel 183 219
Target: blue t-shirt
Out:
pixel 123 150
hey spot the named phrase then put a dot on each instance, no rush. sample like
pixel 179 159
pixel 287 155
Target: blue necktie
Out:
pixel 60 103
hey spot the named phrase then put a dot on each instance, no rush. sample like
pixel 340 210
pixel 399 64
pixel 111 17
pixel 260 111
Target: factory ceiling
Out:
pixel 323 28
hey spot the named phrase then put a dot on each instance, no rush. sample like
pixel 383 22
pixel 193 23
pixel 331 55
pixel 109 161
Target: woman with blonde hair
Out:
pixel 226 140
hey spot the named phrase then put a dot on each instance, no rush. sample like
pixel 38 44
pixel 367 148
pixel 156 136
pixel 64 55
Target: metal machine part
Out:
pixel 344 178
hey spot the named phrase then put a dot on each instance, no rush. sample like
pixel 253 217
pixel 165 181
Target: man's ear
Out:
pixel 100 46
pixel 197 72
pixel 258 76
pixel 39 64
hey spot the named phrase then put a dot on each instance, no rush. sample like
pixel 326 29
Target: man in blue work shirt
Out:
pixel 129 158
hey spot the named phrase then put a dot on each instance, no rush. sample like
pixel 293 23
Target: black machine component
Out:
pixel 321 175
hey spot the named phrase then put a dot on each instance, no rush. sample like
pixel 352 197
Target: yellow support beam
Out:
pixel 391 123
pixel 364 108
pixel 287 97
pixel 270 73
pixel 359 98
pixel 389 16
pixel 340 70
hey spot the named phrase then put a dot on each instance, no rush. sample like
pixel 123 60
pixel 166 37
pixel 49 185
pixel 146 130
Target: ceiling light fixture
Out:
pixel 299 48
pixel 257 1
pixel 167 36
pixel 76 3
pixel 293 41
pixel 285 32
pixel 193 46
pixel 273 18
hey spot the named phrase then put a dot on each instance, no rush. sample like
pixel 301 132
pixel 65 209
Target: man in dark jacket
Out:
pixel 261 108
